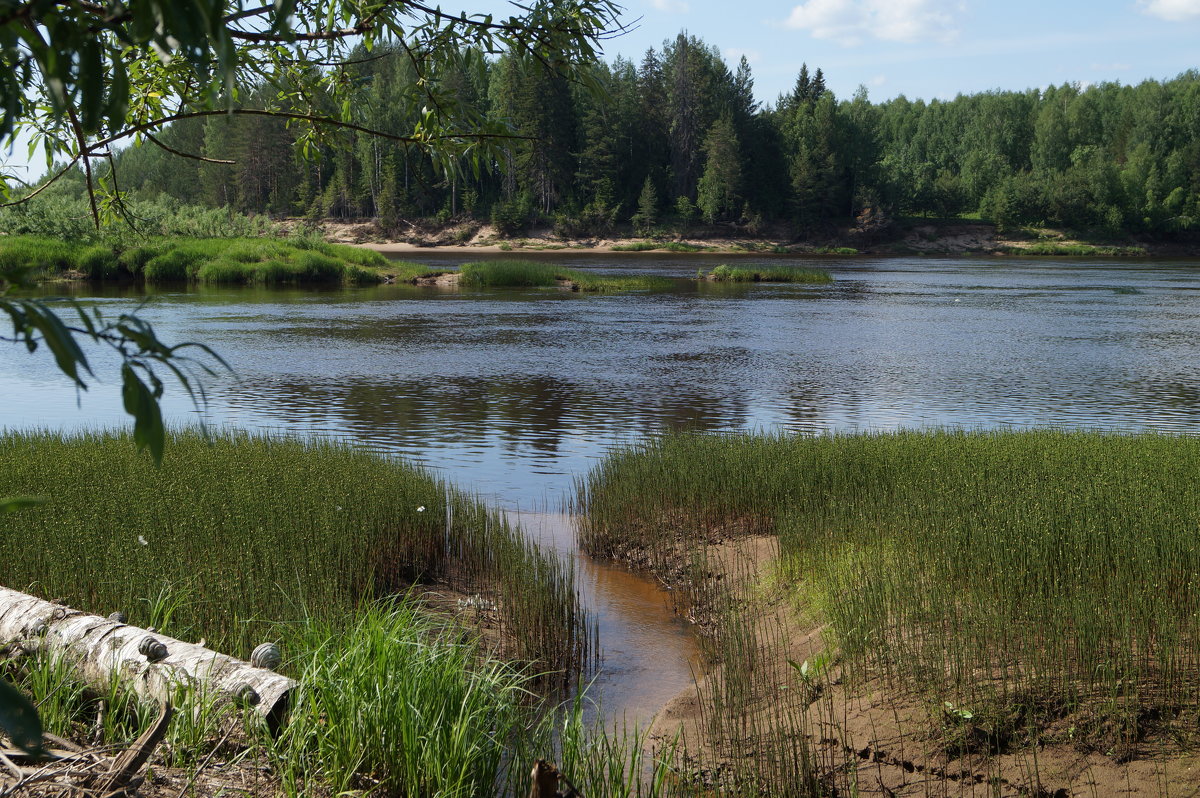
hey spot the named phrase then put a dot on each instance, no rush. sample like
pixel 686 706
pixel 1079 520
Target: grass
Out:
pixel 246 532
pixel 1015 574
pixel 396 701
pixel 1076 250
pixel 524 273
pixel 769 274
pixel 228 261
pixel 668 246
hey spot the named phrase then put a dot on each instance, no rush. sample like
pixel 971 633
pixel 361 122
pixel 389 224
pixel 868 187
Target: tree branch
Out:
pixel 182 154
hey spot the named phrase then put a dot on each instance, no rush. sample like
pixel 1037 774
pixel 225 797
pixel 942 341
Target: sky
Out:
pixel 930 49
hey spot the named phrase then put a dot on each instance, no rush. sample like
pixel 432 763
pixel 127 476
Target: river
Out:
pixel 515 393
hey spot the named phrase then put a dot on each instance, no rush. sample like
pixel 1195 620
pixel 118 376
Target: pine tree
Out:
pixel 720 187
pixel 647 215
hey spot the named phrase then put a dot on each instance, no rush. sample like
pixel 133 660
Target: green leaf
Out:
pixel 10 504
pixel 141 403
pixel 19 719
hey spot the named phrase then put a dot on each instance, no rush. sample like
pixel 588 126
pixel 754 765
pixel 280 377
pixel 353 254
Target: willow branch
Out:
pixel 45 185
pixel 182 154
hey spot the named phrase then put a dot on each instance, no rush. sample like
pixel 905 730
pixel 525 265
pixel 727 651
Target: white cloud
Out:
pixel 851 21
pixel 878 80
pixel 670 6
pixel 1172 10
pixel 734 55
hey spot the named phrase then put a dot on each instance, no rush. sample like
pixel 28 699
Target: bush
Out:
pixel 100 263
pixel 512 216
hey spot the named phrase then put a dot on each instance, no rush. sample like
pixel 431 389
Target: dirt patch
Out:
pixel 776 704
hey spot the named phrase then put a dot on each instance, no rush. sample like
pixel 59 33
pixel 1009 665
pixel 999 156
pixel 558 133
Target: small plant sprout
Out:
pixel 957 714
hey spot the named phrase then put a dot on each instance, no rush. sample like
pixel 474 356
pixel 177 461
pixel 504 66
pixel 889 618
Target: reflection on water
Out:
pixel 514 393
pixel 648 653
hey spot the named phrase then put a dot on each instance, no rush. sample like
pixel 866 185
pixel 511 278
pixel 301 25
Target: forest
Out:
pixel 680 138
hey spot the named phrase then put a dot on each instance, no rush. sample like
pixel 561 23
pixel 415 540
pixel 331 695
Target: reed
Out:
pixel 769 274
pixel 245 532
pixel 1016 574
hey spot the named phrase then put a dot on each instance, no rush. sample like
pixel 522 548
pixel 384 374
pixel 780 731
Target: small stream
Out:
pixel 513 394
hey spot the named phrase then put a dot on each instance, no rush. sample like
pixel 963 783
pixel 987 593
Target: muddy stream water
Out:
pixel 514 394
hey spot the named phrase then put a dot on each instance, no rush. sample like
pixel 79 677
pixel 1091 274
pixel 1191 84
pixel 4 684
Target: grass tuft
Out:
pixel 769 274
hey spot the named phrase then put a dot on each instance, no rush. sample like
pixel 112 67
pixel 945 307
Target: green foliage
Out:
pixel 647 214
pixel 512 216
pixel 35 257
pixel 769 274
pixel 397 699
pixel 1058 566
pixel 285 530
pixel 523 273
pixel 511 273
pixel 720 187
pixel 217 260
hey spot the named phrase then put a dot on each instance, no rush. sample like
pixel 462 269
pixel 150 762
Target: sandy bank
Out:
pixel 780 688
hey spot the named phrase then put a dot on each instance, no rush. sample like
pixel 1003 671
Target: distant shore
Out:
pixel 953 237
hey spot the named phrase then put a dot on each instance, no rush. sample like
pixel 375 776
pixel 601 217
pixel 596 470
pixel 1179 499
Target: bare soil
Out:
pixel 866 734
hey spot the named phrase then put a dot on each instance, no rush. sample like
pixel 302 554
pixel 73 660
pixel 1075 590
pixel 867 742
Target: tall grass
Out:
pixel 524 273
pixel 239 261
pixel 395 701
pixel 245 532
pixel 769 274
pixel 1038 573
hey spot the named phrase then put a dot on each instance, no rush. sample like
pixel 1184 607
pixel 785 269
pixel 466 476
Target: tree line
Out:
pixel 679 137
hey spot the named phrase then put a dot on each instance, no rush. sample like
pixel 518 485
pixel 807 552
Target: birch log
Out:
pixel 153 665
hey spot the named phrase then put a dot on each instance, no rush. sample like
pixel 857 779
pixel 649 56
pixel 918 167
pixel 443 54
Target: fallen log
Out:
pixel 153 665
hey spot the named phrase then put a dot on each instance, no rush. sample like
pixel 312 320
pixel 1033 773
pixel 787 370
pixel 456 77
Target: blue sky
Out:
pixel 930 48
pixel 919 48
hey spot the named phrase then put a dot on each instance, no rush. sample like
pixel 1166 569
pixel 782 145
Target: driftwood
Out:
pixel 81 772
pixel 153 665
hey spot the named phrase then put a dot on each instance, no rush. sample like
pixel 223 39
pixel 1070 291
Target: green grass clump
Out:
pixel 636 246
pixel 1056 569
pixel 835 251
pixel 769 274
pixel 244 532
pixel 36 256
pixel 406 272
pixel 524 273
pixel 399 699
pixel 1077 250
pixel 396 701
pixel 511 273
pixel 607 283
pixel 239 261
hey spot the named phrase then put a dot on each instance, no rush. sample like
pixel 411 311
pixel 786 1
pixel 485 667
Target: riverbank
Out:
pixel 912 237
pixel 981 614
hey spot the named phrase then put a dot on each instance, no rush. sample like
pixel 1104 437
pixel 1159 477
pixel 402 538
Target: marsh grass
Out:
pixel 769 274
pixel 1077 250
pixel 394 701
pixel 524 273
pixel 1044 572
pixel 237 534
pixel 236 261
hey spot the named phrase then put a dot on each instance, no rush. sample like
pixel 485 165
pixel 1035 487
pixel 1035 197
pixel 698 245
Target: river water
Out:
pixel 515 393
